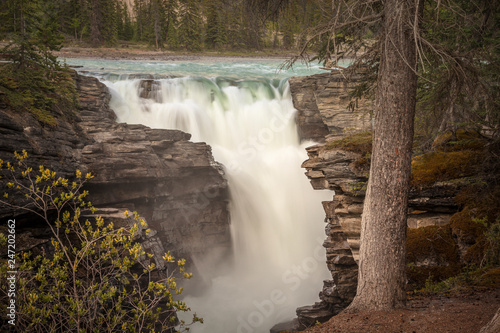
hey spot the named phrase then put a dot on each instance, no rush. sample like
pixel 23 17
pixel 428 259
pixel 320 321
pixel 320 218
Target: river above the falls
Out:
pixel 230 67
pixel 243 109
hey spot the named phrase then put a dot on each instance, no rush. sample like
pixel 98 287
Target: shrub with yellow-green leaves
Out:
pixel 94 277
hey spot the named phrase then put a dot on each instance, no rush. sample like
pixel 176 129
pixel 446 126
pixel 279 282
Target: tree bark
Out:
pixel 493 326
pixel 382 263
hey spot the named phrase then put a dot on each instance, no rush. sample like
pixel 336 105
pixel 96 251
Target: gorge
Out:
pixel 238 207
pixel 251 128
pixel 251 273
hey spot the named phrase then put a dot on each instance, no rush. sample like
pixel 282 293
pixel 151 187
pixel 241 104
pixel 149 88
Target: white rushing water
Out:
pixel 276 217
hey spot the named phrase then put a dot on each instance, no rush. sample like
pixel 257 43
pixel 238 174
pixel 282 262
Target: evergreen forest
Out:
pixel 189 25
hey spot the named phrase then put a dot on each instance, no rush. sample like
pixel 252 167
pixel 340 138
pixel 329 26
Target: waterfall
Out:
pixel 276 216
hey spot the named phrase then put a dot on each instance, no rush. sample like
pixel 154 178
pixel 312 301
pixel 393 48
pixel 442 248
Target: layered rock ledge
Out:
pixel 325 115
pixel 173 183
pixel 324 106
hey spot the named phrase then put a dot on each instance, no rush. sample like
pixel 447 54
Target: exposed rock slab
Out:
pixel 174 183
pixel 322 103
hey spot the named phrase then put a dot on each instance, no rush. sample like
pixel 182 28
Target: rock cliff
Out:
pixel 172 182
pixel 322 103
pixel 324 106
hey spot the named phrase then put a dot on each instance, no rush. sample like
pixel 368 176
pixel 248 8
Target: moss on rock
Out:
pixel 462 139
pixel 490 278
pixel 436 166
pixel 471 225
pixel 360 143
pixel 454 156
pixel 469 235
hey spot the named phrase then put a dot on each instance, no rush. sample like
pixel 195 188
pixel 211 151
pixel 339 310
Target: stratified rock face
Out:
pixel 333 169
pixel 309 120
pixel 174 183
pixel 322 106
pixel 321 101
pixel 433 205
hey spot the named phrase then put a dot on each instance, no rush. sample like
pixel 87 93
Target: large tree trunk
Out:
pixel 382 267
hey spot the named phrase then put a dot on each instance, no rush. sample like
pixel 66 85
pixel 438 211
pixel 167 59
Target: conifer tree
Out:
pixel 108 25
pixel 9 16
pixel 190 25
pixel 95 23
pixel 288 25
pixel 76 12
pixel 103 22
pixel 449 42
pixel 125 26
pixel 251 28
pixel 120 18
pixel 46 33
pixel 32 80
pixel 157 20
pixel 215 31
pixel 139 18
pixel 234 25
pixel 171 23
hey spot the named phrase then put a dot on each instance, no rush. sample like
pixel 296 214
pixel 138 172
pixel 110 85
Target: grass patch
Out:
pixel 33 91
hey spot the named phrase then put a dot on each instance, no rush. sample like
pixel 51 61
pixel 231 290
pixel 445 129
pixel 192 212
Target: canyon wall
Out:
pixel 325 107
pixel 324 115
pixel 173 183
